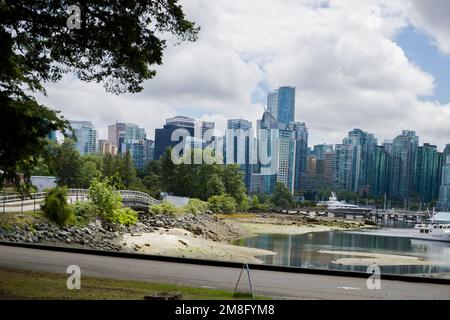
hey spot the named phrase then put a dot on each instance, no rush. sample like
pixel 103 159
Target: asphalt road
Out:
pixel 276 284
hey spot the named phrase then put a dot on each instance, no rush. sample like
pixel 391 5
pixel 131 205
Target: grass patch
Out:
pixel 19 284
pixel 9 219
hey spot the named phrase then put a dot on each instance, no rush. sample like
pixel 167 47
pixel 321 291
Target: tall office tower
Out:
pixel 286 159
pixel 286 105
pixel 403 165
pixel 300 136
pixel 444 191
pixel 116 135
pixel 329 160
pixel 122 134
pixel 136 150
pixel 149 150
pixel 321 149
pixel 133 132
pixel 163 136
pixel 281 104
pixel 344 165
pixel 364 174
pixel 355 162
pixel 268 134
pixel 86 136
pixel 381 172
pixel 388 144
pixel 242 147
pixel 427 173
pixel 272 103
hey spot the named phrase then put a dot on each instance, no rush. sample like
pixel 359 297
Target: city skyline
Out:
pixel 348 73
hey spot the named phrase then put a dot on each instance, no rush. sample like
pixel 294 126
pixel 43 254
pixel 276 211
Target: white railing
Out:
pixel 129 198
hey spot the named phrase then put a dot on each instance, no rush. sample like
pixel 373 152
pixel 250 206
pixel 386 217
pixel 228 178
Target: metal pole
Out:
pixel 34 202
pixel 249 280
pixel 4 200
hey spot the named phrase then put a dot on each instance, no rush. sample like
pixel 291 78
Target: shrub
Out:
pixel 222 204
pixel 55 206
pixel 163 208
pixel 196 206
pixel 124 216
pixel 84 212
pixel 105 199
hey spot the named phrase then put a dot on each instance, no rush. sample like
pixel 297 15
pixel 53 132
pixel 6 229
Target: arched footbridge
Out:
pixel 133 199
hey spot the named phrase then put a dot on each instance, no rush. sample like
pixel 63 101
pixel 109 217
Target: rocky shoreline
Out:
pixel 200 236
pixel 95 236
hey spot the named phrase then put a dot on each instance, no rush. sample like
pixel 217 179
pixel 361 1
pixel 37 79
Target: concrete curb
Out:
pixel 225 264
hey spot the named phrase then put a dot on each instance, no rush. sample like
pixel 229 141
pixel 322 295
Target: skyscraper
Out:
pixel 355 162
pixel 444 191
pixel 163 136
pixel 86 136
pixel 427 173
pixel 242 143
pixel 321 149
pixel 381 172
pixel 122 134
pixel 281 104
pixel 286 159
pixel 403 165
pixel 116 135
pixel 300 136
pixel 344 165
pixel 272 103
pixel 286 105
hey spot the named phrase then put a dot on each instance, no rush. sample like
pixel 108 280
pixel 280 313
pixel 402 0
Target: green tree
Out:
pixel 222 204
pixel 68 165
pixel 55 206
pixel 88 172
pixel 108 203
pixel 118 44
pixel 233 180
pixel 214 186
pixel 281 196
pixel 127 171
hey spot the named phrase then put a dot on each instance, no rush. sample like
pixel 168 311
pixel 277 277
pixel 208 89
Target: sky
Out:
pixel 379 65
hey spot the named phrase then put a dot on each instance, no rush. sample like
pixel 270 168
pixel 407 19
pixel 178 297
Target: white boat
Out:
pixel 432 230
pixel 338 207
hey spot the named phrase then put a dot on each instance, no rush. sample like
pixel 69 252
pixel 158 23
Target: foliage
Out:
pixel 124 216
pixel 222 204
pixel 24 126
pixel 67 164
pixel 105 198
pixel 282 197
pixel 200 180
pixel 118 45
pixel 84 212
pixel 196 206
pixel 55 206
pixel 164 208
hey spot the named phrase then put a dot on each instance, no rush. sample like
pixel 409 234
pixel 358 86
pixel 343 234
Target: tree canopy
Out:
pixel 118 44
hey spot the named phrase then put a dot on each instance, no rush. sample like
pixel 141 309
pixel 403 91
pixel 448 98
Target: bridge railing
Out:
pixel 129 197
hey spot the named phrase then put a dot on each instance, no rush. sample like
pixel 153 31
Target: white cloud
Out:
pixel 433 17
pixel 347 69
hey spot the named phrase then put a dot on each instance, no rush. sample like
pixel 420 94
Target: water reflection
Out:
pixel 302 250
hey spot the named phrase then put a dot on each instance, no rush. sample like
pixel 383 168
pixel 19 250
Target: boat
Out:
pixel 433 229
pixel 342 208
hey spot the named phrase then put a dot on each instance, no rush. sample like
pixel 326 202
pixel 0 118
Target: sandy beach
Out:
pixel 181 243
pixel 369 258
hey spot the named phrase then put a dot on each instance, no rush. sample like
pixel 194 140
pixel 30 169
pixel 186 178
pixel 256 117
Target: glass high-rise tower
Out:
pixel 281 104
